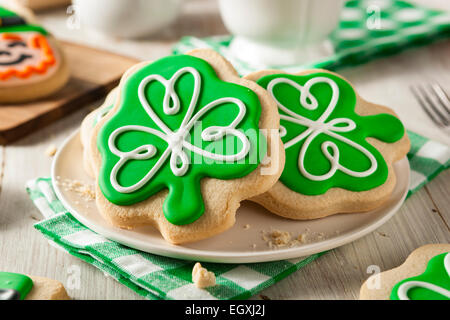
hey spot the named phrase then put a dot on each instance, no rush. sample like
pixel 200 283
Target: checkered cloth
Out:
pixel 157 277
pixel 368 29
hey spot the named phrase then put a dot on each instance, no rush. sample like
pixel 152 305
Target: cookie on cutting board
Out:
pixel 32 64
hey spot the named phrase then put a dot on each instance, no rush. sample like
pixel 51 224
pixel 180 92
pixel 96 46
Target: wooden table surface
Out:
pixel 424 218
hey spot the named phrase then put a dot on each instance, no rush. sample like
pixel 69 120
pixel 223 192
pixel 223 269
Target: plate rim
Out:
pixel 180 252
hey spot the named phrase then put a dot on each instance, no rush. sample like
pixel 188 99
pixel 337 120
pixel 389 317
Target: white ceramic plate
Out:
pixel 238 244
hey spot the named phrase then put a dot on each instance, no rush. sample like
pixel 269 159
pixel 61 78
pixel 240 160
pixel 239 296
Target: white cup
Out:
pixel 126 18
pixel 280 32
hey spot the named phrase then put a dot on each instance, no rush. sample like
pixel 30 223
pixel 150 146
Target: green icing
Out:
pixel 315 162
pixel 24 28
pixel 436 273
pixel 184 202
pixel 5 13
pixel 15 281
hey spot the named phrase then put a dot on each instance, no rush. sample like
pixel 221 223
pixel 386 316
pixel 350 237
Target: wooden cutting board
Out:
pixel 93 74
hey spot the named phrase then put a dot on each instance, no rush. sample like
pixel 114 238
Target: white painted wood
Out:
pixel 424 218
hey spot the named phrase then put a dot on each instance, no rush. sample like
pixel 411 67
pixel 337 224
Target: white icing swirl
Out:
pixel 320 126
pixel 403 289
pixel 176 140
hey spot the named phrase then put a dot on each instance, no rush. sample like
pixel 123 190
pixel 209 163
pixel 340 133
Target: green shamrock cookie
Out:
pixel 175 123
pixel 433 284
pixel 325 140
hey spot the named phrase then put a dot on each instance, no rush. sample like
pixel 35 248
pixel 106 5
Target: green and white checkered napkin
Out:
pixel 368 29
pixel 157 277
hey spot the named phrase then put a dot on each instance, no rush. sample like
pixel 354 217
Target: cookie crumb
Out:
pixel 202 278
pixel 51 150
pixel 301 237
pixel 279 238
pixel 247 226
pixel 84 190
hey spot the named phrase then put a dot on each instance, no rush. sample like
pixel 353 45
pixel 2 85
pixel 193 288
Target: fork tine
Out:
pixel 442 96
pixel 423 105
pixel 437 112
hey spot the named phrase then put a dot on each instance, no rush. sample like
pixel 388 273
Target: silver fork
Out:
pixel 434 101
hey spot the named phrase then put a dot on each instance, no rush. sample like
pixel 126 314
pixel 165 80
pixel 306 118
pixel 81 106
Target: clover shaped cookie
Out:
pixel 183 144
pixel 339 148
pixel 31 63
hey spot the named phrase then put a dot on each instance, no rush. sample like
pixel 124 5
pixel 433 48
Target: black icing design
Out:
pixel 17 44
pixel 11 21
pixel 17 61
pixel 9 294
